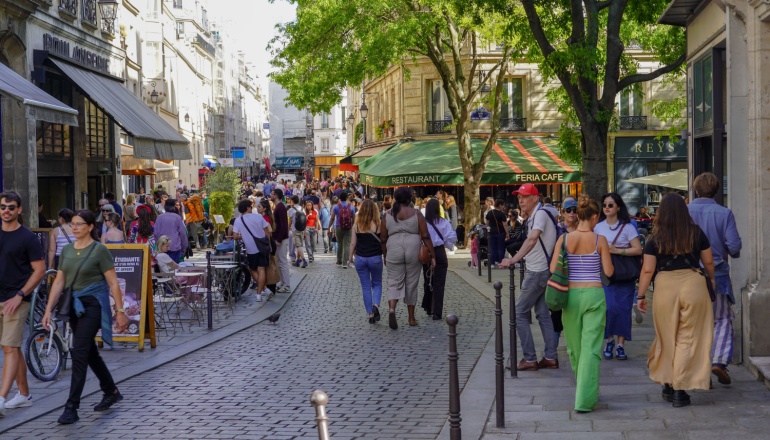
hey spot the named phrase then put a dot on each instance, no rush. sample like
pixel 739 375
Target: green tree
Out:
pixel 584 44
pixel 333 44
pixel 224 179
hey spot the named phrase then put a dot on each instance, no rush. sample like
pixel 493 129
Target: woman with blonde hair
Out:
pixel 585 314
pixel 680 354
pixel 366 246
pixel 129 209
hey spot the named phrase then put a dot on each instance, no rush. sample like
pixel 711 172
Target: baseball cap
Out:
pixel 569 203
pixel 527 189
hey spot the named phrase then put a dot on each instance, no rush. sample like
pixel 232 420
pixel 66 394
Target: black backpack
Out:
pixel 300 221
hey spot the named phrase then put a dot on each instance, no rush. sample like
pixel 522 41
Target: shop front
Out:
pixel 289 164
pixel 636 157
pixel 327 166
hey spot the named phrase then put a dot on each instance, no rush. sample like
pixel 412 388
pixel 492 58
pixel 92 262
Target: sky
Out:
pixel 251 25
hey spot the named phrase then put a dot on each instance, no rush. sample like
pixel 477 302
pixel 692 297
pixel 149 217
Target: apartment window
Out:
pixel 344 114
pixel 630 101
pixel 325 144
pixel 439 105
pixel 180 29
pixel 324 120
pixel 703 82
pixel 97 132
pixel 513 99
pixel 153 9
pixel 153 60
pixel 177 4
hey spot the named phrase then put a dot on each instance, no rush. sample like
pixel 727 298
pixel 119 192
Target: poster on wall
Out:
pixel 133 269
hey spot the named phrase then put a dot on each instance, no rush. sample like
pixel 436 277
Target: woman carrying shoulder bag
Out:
pixel 365 245
pixel 443 237
pixel 88 269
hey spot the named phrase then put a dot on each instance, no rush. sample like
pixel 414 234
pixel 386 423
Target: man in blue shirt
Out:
pixel 324 215
pixel 718 223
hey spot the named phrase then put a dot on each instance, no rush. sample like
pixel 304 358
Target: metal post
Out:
pixel 209 300
pixel 319 400
pixel 512 322
pixel 455 432
pixel 489 265
pixel 480 260
pixel 499 367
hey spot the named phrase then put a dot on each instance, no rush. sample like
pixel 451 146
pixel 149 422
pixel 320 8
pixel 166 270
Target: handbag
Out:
pixel 263 244
pixel 272 272
pixel 64 305
pixel 557 288
pixel 626 268
pixel 424 255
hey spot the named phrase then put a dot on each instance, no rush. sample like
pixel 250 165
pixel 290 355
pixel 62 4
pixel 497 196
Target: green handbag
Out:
pixel 557 289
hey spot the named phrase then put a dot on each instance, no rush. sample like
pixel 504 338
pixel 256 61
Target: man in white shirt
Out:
pixel 538 250
pixel 246 228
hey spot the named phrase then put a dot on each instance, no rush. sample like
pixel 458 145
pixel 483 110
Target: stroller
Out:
pixel 482 233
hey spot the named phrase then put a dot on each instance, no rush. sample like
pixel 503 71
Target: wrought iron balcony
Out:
pixel 513 124
pixel 633 122
pixel 88 12
pixel 69 6
pixel 437 127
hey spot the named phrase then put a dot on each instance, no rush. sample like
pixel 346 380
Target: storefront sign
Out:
pixel 289 162
pixel 649 148
pixel 84 57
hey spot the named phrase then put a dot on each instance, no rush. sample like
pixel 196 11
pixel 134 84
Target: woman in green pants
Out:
pixel 585 314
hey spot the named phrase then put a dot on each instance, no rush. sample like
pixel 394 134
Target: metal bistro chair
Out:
pixel 166 297
pixel 190 282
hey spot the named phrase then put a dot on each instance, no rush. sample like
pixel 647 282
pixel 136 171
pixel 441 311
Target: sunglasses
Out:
pixel 8 207
pixel 608 205
pixel 106 210
pixel 570 210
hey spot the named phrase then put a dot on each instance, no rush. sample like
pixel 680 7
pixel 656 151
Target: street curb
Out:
pixel 57 400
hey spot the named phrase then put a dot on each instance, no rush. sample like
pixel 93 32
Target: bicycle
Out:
pixel 45 350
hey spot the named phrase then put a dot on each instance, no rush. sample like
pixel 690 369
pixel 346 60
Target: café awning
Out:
pixel 40 105
pixel 512 162
pixel 674 179
pixel 350 162
pixel 132 166
pixel 153 137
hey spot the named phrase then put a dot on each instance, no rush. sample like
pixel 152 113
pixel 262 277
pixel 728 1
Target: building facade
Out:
pixel 728 78
pixel 291 133
pixel 329 140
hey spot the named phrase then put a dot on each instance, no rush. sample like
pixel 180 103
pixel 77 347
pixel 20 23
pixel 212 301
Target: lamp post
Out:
pixel 365 110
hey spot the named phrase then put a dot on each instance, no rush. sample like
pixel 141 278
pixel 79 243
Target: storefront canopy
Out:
pixel 40 105
pixel 350 163
pixel 154 138
pixel 674 179
pixel 131 166
pixel 210 161
pixel 513 162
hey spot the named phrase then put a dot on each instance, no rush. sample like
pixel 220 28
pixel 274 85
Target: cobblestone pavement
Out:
pixel 257 383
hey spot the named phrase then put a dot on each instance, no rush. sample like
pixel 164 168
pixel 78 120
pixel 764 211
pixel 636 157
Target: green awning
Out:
pixel 513 162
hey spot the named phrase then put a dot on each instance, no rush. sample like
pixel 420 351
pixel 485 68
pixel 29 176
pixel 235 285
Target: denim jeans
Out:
pixel 310 236
pixel 532 295
pixel 325 239
pixel 85 354
pixel 370 273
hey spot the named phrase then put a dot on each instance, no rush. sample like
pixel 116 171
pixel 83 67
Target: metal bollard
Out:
pixel 489 269
pixel 499 367
pixel 480 262
pixel 319 400
pixel 455 432
pixel 209 300
pixel 512 322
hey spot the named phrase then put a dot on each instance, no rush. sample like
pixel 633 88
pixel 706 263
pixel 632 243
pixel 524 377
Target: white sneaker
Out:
pixel 266 291
pixel 259 297
pixel 18 401
pixel 284 289
pixel 2 406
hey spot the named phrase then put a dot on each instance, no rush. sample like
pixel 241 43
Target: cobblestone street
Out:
pixel 257 383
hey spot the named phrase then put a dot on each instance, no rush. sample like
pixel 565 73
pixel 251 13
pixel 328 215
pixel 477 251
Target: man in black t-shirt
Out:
pixel 498 233
pixel 21 269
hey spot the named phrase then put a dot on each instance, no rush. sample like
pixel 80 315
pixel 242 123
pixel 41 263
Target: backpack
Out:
pixel 560 230
pixel 346 217
pixel 300 221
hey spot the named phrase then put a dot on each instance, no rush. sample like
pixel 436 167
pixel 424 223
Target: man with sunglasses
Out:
pixel 538 248
pixel 21 270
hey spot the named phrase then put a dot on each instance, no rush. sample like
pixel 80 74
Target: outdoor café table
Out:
pixel 222 275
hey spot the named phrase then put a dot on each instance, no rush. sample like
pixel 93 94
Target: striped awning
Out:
pixel 513 162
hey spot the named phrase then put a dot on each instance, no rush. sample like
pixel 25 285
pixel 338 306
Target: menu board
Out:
pixel 133 268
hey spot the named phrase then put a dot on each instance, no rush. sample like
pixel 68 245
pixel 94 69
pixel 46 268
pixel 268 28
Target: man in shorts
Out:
pixel 21 269
pixel 297 236
pixel 246 228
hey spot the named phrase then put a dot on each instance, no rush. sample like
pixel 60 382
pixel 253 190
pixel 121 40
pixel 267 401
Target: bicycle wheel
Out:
pixel 39 300
pixel 44 356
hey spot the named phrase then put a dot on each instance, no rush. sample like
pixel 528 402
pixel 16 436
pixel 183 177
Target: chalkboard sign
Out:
pixel 133 268
pixel 43 235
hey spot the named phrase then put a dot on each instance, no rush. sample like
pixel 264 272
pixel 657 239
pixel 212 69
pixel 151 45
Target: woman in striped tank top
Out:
pixel 584 316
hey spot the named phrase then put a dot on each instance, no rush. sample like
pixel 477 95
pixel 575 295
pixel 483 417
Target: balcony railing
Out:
pixel 633 122
pixel 437 127
pixel 513 124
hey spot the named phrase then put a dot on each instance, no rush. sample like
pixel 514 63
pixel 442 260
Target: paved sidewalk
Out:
pixel 539 405
pixel 125 361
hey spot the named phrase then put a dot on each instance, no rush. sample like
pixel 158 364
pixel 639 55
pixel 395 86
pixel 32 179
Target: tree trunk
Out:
pixel 595 182
pixel 472 208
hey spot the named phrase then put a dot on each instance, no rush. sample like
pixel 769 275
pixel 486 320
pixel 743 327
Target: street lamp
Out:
pixel 109 10
pixel 351 120
pixel 187 117
pixel 154 94
pixel 364 111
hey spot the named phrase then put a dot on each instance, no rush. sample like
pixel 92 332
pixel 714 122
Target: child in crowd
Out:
pixel 474 250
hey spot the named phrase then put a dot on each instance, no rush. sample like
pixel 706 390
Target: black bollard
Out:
pixel 480 261
pixel 209 300
pixel 455 432
pixel 512 322
pixel 489 269
pixel 499 367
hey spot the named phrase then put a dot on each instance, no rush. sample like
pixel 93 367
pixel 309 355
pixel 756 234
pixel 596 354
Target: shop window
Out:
pixel 440 117
pixel 53 140
pixel 703 115
pixel 97 132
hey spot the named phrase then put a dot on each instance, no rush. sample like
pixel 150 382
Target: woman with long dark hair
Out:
pixel 91 310
pixel 615 225
pixel 365 245
pixel 400 234
pixel 680 354
pixel 443 237
pixel 60 237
